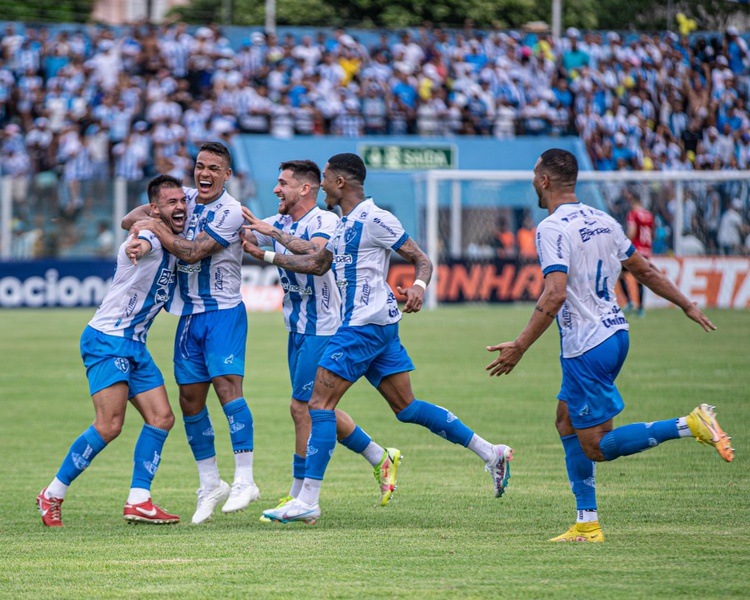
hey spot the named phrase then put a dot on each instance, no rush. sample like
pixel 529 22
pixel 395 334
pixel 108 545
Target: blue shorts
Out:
pixel 374 351
pixel 588 382
pixel 210 344
pixel 303 352
pixel 110 359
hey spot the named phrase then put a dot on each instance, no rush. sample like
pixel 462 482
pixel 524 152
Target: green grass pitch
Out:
pixel 676 518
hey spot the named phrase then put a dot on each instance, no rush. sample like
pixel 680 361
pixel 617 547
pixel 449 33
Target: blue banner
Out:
pixel 54 283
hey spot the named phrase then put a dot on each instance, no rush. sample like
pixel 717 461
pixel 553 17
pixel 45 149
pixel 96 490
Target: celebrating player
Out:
pixel 212 332
pixel 581 251
pixel 367 343
pixel 119 367
pixel 312 315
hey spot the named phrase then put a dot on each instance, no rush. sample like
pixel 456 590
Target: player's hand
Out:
pixel 133 247
pixel 414 298
pixel 696 314
pixel 151 223
pixel 510 356
pixel 250 247
pixel 256 224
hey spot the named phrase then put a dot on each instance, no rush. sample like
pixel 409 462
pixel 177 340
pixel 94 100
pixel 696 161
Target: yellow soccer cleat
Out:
pixel 385 474
pixel 582 532
pixel 705 428
pixel 282 502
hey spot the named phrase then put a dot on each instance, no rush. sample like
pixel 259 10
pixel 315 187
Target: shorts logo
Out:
pixel 584 411
pixel 652 442
pixel 229 359
pixel 337 355
pixel 308 386
pixel 123 364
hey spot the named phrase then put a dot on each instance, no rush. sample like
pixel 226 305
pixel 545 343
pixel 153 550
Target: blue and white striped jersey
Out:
pixel 361 248
pixel 214 282
pixel 589 246
pixel 311 304
pixel 138 292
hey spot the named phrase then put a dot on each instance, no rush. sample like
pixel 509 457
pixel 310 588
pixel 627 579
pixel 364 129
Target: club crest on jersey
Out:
pixel 123 364
pixel 350 234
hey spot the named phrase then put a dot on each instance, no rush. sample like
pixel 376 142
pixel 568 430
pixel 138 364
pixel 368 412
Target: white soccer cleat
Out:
pixel 294 510
pixel 242 494
pixel 208 500
pixel 499 467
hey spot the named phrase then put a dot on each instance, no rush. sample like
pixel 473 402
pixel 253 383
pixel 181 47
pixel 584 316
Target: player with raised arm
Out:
pixel 119 366
pixel 367 343
pixel 581 251
pixel 312 314
pixel 212 332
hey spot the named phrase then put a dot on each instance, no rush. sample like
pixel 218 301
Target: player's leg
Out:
pixel 641 309
pixel 158 418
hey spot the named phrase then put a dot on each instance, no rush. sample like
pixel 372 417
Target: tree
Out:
pixel 45 11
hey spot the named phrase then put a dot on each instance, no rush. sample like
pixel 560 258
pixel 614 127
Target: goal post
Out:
pixel 457 208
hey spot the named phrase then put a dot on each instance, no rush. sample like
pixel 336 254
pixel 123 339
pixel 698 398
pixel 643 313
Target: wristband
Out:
pixel 420 283
pixel 268 256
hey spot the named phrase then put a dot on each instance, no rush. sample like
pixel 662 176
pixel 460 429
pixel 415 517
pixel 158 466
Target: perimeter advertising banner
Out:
pixel 721 282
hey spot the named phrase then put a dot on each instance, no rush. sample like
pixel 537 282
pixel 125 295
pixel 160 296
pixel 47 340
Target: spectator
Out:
pixel 732 229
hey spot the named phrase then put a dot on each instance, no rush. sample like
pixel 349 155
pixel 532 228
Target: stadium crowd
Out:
pixel 87 105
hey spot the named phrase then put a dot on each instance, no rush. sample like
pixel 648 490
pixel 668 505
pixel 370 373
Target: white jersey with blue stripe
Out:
pixel 589 246
pixel 311 304
pixel 361 248
pixel 138 292
pixel 214 282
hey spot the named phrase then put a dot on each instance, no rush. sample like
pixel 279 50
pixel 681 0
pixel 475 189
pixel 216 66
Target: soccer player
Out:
pixel 312 314
pixel 367 342
pixel 639 224
pixel 581 251
pixel 212 331
pixel 119 367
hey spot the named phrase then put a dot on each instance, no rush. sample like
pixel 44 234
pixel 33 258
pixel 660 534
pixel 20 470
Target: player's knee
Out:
pixel 299 411
pixel 108 429
pixel 164 421
pixel 592 451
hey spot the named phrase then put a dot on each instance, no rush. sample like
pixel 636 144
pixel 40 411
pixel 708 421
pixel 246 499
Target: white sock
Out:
pixel 310 492
pixel 208 473
pixel 296 487
pixel 586 516
pixel 373 454
pixel 56 489
pixel 243 470
pixel 683 428
pixel 482 448
pixel 138 495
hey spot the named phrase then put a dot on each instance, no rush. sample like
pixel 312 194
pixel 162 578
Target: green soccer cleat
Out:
pixel 582 532
pixel 282 502
pixel 705 429
pixel 385 474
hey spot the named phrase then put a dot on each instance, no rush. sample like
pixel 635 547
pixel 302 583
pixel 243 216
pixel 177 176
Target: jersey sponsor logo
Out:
pixel 345 259
pixel 388 228
pixel 558 245
pixel 186 268
pixel 366 289
pixel 587 233
pixel 293 287
pixel 219 279
pixel 325 296
pixel 123 364
pixel 223 218
pixel 131 304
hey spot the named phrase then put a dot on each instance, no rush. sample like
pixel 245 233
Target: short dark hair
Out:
pixel 348 163
pixel 304 170
pixel 561 165
pixel 160 182
pixel 218 149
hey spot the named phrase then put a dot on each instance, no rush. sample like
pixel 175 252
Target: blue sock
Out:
pixel 438 420
pixel 240 424
pixel 357 440
pixel 322 443
pixel 147 455
pixel 637 437
pixel 581 472
pixel 298 467
pixel 200 434
pixel 80 455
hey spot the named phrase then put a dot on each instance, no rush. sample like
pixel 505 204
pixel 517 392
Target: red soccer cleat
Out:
pixel 50 509
pixel 148 512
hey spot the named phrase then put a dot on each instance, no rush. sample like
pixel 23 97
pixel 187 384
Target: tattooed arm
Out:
pixel 422 272
pixel 545 311
pixel 292 243
pixel 188 251
pixel 318 263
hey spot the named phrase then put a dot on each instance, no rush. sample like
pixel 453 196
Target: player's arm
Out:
pixel 645 272
pixel 137 247
pixel 411 252
pixel 313 264
pixel 546 309
pixel 139 213
pixel 188 251
pixel 294 244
